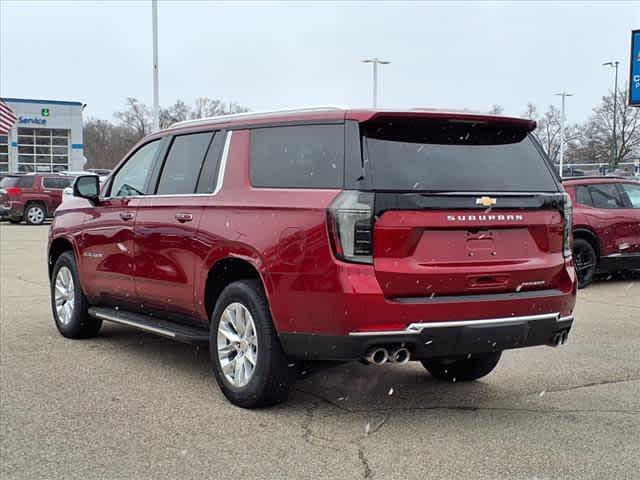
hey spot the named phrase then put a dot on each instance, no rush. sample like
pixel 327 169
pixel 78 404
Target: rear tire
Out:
pixel 586 261
pixel 69 306
pixel 462 369
pixel 35 214
pixel 14 220
pixel 242 331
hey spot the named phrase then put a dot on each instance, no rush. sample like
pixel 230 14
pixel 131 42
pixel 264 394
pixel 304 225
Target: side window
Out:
pixel 211 166
pixel 25 182
pixel 606 195
pixel 56 182
pixel 633 193
pixel 582 195
pixel 184 161
pixel 304 156
pixel 131 178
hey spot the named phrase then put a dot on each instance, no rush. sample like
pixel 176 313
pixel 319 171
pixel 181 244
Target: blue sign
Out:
pixel 634 70
pixel 31 120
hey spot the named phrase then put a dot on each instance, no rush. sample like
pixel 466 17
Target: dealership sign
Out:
pixel 634 67
pixel 31 121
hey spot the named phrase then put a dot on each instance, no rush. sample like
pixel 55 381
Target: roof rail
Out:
pixel 233 116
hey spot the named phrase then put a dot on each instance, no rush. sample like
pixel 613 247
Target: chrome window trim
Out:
pixel 219 180
pixel 416 328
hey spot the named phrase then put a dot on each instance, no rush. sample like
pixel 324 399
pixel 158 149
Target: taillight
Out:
pixel 350 218
pixel 13 191
pixel 567 237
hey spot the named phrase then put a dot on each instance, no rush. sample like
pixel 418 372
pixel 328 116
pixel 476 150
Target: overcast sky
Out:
pixel 267 55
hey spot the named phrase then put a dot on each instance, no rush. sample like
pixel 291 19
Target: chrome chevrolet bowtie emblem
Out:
pixel 485 201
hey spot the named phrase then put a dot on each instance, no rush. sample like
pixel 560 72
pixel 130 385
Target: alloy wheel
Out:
pixel 64 295
pixel 35 215
pixel 237 344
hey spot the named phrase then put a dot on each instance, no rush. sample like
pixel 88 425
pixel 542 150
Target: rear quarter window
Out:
pixel 300 156
pixel 56 182
pixel 25 182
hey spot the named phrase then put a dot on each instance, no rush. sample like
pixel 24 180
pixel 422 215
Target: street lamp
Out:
pixel 563 95
pixel 375 61
pixel 614 146
pixel 156 106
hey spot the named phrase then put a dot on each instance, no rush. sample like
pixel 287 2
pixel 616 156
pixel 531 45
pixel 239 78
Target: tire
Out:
pixel 14 221
pixel 35 214
pixel 68 304
pixel 586 261
pixel 462 369
pixel 268 380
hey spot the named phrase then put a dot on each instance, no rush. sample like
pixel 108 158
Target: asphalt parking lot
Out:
pixel 128 405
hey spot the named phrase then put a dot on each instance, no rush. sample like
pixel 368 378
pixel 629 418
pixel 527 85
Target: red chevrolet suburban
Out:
pixel 606 225
pixel 323 234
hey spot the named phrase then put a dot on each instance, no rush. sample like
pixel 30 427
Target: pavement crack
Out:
pixel 367 473
pixel 593 384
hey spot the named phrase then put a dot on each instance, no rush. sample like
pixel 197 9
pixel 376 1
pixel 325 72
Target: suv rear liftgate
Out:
pixel 452 213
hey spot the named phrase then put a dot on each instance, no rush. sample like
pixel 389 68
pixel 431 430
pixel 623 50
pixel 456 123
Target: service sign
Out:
pixel 634 67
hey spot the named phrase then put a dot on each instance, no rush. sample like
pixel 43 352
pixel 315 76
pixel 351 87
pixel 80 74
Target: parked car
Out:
pixel 606 225
pixel 323 234
pixel 31 197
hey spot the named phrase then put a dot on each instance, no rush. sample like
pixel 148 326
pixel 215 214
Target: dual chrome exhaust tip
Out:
pixel 380 356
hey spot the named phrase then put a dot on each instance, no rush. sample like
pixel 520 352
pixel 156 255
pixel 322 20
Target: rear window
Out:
pixel 182 166
pixel 56 182
pixel 22 182
pixel 428 155
pixel 302 156
pixel 583 196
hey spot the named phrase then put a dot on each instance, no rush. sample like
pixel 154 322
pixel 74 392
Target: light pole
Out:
pixel 614 144
pixel 375 61
pixel 156 101
pixel 563 95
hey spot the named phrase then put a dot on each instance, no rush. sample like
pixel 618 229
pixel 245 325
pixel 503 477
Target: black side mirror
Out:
pixel 87 186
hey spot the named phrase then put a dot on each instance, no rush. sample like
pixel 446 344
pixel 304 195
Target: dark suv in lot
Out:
pixel 606 225
pixel 323 234
pixel 31 197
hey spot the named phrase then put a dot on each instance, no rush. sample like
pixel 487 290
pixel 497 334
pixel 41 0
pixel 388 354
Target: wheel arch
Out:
pixel 57 247
pixel 231 268
pixel 590 236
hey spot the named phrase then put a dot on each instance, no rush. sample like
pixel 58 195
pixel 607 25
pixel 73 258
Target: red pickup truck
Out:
pixel 31 197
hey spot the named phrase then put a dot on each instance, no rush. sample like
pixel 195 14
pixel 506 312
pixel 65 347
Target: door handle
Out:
pixel 127 216
pixel 184 217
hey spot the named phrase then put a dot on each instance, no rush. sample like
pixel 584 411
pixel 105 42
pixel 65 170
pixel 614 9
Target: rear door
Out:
pixel 166 228
pixel 614 217
pixel 462 208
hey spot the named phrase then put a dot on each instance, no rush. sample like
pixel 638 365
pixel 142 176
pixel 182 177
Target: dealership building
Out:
pixel 47 137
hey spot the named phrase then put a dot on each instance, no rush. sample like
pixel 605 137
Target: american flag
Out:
pixel 7 117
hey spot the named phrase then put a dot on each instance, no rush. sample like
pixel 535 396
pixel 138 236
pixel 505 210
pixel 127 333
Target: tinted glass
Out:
pixel 131 178
pixel 582 195
pixel 56 182
pixel 25 182
pixel 305 156
pixel 8 182
pixel 182 166
pixel 606 195
pixel 419 155
pixel 633 193
pixel 209 173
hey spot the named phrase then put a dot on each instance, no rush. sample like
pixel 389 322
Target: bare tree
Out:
pixel 496 110
pixel 136 116
pixel 106 143
pixel 597 134
pixel 548 132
